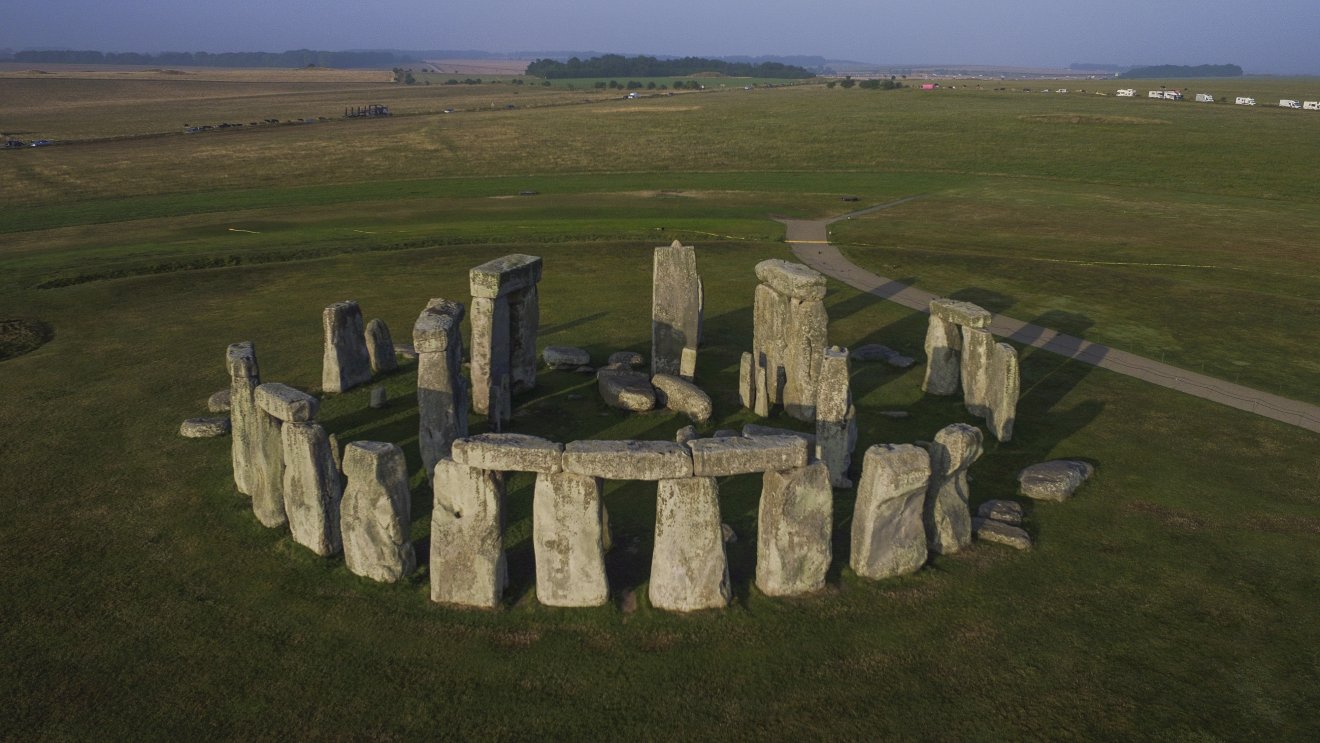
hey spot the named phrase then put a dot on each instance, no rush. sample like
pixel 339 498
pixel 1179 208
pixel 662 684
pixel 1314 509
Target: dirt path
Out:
pixel 810 241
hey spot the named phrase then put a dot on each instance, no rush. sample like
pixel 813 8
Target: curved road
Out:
pixel 810 241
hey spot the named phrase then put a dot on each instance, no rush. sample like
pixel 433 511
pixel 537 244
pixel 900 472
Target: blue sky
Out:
pixel 1269 36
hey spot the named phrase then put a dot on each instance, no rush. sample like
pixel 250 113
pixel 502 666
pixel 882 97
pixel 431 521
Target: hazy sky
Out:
pixel 1262 36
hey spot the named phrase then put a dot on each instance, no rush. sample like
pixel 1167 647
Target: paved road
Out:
pixel 810 241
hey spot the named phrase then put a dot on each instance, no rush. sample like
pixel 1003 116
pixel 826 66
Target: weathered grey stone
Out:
pixel 628 460
pixel 836 418
pixel 998 532
pixel 568 535
pixel 685 434
pixel 974 359
pixel 258 450
pixel 752 430
pixel 337 453
pixel 509 452
pixel 747 381
pixel 689 569
pixel 739 456
pixel 490 356
pixel 345 363
pixel 947 516
pixel 887 534
pixel 687 366
pixel 725 433
pixel 312 488
pixel 218 402
pixel 943 340
pixel 626 390
pixel 961 313
pixel 375 514
pixel 675 307
pixel 877 352
pixel 769 331
pixel 204 428
pixel 1055 480
pixel 762 390
pixel 565 357
pixel 380 397
pixel 791 279
pixel 793 549
pixel 286 403
pixel 467 541
pixel 1002 399
pixel 625 359
pixel 524 323
pixel 442 393
pixel 1004 511
pixel 682 396
pixel 505 275
pixel 807 337
pixel 380 347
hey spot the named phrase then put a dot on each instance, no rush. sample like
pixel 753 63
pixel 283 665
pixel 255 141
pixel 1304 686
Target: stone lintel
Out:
pixel 509 452
pixel 505 275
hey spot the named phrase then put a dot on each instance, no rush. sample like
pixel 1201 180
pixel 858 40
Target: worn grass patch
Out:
pixel 18 337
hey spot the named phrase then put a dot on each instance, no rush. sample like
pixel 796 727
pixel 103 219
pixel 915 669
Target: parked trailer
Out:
pixel 1126 92
pixel 1311 105
pixel 1289 103
pixel 1204 98
pixel 1245 101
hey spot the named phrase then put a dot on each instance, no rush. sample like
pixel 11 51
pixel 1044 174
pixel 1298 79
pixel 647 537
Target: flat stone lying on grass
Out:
pixel 877 352
pixel 987 530
pixel 467 566
pixel 1055 480
pixel 1004 511
pixel 752 431
pixel 947 516
pixel 626 390
pixel 380 397
pixel 204 428
pixel 287 403
pixel 961 313
pixel 380 347
pixel 565 357
pixel 793 549
pixel 888 538
pixel 681 396
pixel 218 402
pixel 312 488
pixel 346 363
pixel 374 515
pixel 689 569
pixel 738 456
pixel 569 538
pixel 626 358
pixel 509 452
pixel 628 460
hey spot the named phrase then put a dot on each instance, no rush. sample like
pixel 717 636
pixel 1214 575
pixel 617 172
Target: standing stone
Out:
pixel 977 346
pixel 490 355
pixel 569 541
pixel 467 541
pixel 380 397
pixel 769 325
pixel 793 549
pixel 258 447
pixel 947 516
pixel 505 318
pixel 687 367
pixel 762 389
pixel 312 488
pixel 380 347
pixel 888 538
pixel 807 337
pixel 943 340
pixel 442 393
pixel 1003 397
pixel 689 570
pixel 789 330
pixel 375 514
pixel 524 322
pixel 346 363
pixel 836 418
pixel 747 381
pixel 675 307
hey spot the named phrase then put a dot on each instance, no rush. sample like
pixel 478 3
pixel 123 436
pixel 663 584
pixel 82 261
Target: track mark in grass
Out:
pixel 18 337
pixel 1090 119
pixel 250 232
pixel 1169 517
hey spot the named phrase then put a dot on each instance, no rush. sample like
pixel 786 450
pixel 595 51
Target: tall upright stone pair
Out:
pixel 442 392
pixel 353 352
pixel 961 352
pixel 505 315
pixel 789 335
pixel 677 305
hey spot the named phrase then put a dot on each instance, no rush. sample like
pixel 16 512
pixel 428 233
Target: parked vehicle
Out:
pixel 41 143
pixel 1126 93
pixel 1311 105
pixel 1289 103
pixel 1204 98
pixel 1245 101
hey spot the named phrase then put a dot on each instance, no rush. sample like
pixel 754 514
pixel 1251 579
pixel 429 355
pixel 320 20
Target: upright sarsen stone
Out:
pixel 808 331
pixel 467 542
pixel 943 341
pixel 524 322
pixel 312 488
pixel 505 318
pixel 346 363
pixel 1002 399
pixel 380 347
pixel 258 449
pixel 977 346
pixel 789 331
pixel 490 370
pixel 836 418
pixel 689 569
pixel 888 538
pixel 375 514
pixel 793 549
pixel 947 515
pixel 442 393
pixel 569 540
pixel 769 326
pixel 676 307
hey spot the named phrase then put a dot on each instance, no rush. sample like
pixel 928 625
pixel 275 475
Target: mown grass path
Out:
pixel 810 241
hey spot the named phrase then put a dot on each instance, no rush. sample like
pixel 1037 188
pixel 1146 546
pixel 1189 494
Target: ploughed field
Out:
pixel 1173 596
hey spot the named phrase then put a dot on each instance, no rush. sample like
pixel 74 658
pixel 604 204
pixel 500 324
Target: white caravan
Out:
pixel 1311 105
pixel 1204 98
pixel 1245 101
pixel 1289 103
pixel 1126 92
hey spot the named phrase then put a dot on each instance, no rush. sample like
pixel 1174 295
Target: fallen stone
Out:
pixel 791 279
pixel 947 515
pixel 977 346
pixel 626 390
pixel 1004 511
pixel 509 452
pixel 752 431
pixel 442 392
pixel 380 347
pixel 689 569
pixel 836 418
pixel 888 538
pixel 204 428
pixel 374 515
pixel 565 357
pixel 998 532
pixel 676 307
pixel 468 566
pixel 568 535
pixel 379 397
pixel 345 363
pixel 312 488
pixel 793 550
pixel 218 402
pixel 943 340
pixel 286 403
pixel 682 396
pixel 738 456
pixel 1055 480
pixel 1002 397
pixel 725 433
pixel 504 276
pixel 628 460
pixel 686 434
pixel 961 313
pixel 877 352
pixel 626 359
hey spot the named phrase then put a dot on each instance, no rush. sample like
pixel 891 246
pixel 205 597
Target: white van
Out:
pixel 1245 101
pixel 1289 103
pixel 1204 98
pixel 1126 92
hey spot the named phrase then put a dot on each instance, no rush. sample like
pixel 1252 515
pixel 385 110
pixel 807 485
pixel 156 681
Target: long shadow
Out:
pixel 569 325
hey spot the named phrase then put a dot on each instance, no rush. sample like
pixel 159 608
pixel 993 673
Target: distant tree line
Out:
pixel 295 58
pixel 1178 71
pixel 616 65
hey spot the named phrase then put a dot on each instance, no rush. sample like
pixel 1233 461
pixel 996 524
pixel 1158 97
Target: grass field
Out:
pixel 1173 598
